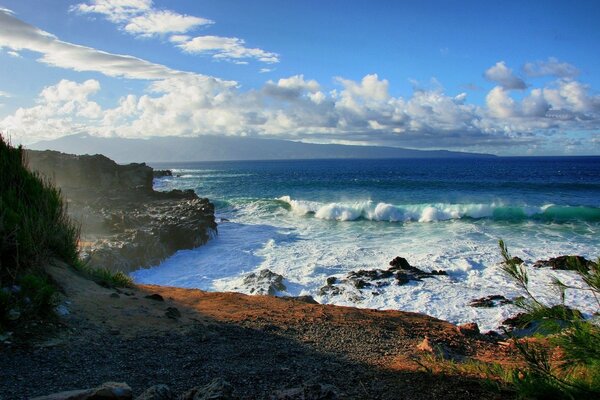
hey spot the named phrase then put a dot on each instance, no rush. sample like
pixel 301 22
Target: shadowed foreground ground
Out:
pixel 259 344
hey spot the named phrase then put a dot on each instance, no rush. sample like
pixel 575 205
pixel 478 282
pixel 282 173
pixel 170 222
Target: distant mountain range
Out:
pixel 226 148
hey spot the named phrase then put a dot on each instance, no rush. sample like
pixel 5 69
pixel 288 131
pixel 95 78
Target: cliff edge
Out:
pixel 125 223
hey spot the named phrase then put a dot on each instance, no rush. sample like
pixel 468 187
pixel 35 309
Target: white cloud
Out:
pixel 140 18
pixel 504 76
pixel 500 104
pixel 550 67
pixel 13 54
pixel 163 22
pixel 18 35
pixel 114 10
pixel 5 94
pixel 226 48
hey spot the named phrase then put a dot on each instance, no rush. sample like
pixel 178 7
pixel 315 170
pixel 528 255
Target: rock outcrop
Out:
pixel 567 263
pixel 265 282
pixel 125 224
pixel 400 271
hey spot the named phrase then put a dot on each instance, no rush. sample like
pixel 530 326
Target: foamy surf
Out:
pixel 369 210
pixel 338 217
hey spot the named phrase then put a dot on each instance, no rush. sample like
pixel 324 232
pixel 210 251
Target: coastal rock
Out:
pixel 218 389
pixel 106 391
pixel 469 329
pixel 161 173
pixel 265 282
pixel 490 301
pixel 157 392
pixel 522 324
pixel 316 391
pixel 566 263
pixel 125 224
pixel 400 271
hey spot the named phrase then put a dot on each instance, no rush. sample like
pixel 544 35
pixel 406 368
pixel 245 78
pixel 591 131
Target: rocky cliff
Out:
pixel 125 224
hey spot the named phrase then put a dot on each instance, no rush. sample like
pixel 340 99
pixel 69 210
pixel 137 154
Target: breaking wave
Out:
pixel 431 212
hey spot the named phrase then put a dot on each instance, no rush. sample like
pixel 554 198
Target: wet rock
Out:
pixel 157 392
pixel 469 329
pixel 490 301
pixel 516 260
pixel 161 173
pixel 523 324
pixel 218 389
pixel 567 263
pixel 331 280
pixel 315 391
pixel 106 391
pixel 265 282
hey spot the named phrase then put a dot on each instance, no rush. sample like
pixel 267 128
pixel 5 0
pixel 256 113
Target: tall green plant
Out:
pixel 577 373
pixel 34 224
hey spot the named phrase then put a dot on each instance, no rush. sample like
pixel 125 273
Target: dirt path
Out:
pixel 260 344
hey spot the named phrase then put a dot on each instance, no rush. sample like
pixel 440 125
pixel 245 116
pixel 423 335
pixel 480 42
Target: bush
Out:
pixel 576 372
pixel 34 225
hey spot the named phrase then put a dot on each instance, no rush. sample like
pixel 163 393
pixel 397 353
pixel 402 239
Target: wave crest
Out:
pixel 368 210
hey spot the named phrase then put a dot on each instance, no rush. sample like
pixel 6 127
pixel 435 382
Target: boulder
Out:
pixel 106 391
pixel 265 282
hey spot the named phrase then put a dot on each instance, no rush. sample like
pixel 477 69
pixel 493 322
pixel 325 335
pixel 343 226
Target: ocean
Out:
pixel 313 219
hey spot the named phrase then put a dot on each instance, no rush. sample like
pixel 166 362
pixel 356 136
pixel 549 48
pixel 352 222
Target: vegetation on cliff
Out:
pixel 34 227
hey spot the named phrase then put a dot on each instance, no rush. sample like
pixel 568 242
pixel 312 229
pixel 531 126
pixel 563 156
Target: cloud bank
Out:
pixel 295 107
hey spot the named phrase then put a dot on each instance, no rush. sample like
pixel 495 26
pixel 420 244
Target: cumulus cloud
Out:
pixel 5 94
pixel 163 22
pixel 297 108
pixel 550 67
pixel 226 48
pixel 140 18
pixel 504 76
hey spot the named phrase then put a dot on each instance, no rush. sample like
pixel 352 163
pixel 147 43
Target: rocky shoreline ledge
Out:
pixel 125 223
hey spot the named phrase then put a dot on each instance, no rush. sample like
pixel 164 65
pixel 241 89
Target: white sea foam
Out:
pixel 308 250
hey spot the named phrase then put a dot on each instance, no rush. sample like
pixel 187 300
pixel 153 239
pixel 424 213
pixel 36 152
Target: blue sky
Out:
pixel 512 78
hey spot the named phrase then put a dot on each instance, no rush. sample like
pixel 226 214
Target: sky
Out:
pixel 509 78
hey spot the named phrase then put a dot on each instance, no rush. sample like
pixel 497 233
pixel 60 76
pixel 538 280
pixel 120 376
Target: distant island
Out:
pixel 220 148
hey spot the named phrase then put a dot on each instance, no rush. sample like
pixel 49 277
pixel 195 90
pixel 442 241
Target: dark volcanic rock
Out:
pixel 490 301
pixel 160 173
pixel 522 324
pixel 125 224
pixel 567 263
pixel 399 269
pixel 265 282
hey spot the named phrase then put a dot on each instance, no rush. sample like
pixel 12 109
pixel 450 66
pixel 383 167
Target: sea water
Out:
pixel 313 219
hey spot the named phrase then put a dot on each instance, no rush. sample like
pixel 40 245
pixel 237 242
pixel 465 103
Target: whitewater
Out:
pixel 311 220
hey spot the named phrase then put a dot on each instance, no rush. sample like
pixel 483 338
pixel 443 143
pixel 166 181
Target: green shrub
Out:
pixel 576 374
pixel 34 225
pixel 105 277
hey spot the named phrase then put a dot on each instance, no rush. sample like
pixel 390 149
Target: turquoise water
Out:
pixel 309 220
